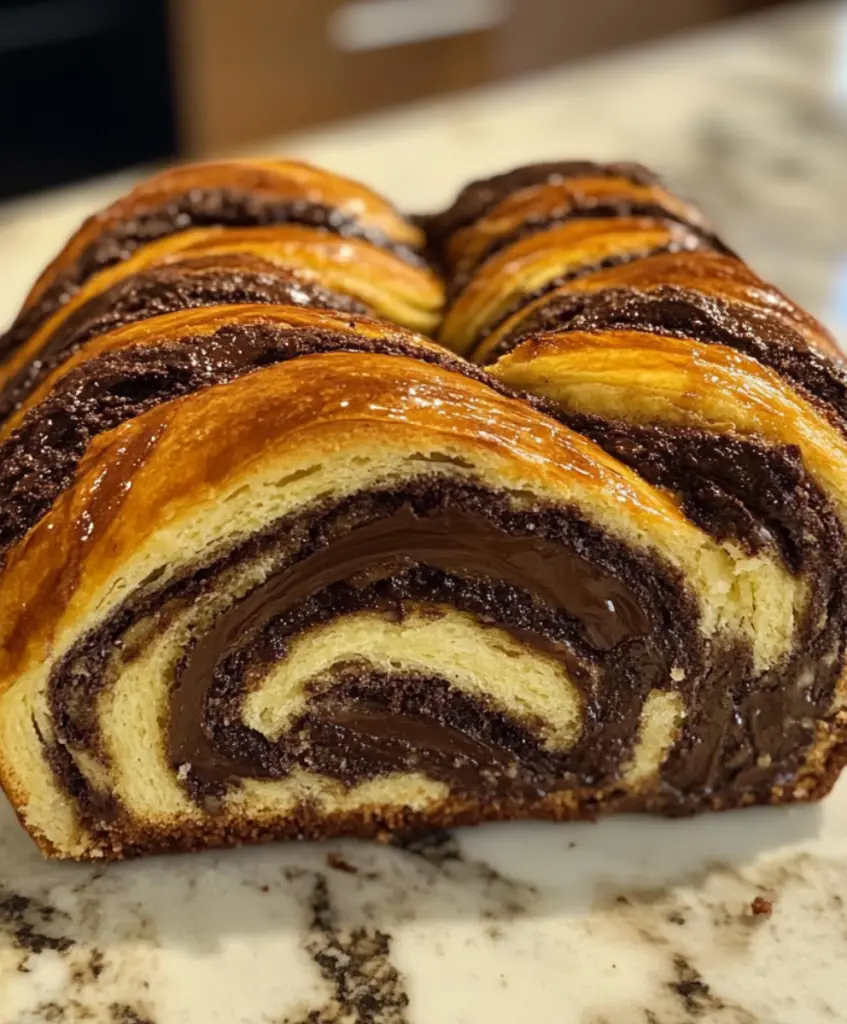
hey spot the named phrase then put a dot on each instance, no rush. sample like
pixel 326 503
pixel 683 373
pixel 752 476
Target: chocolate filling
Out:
pixel 615 609
pixel 402 556
pixel 691 243
pixel 734 488
pixel 167 289
pixel 197 208
pixel 616 619
pixel 39 459
pixel 478 197
pixel 688 314
pixel 597 211
pixel 371 723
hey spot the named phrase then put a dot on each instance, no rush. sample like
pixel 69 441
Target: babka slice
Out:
pixel 273 565
pixel 357 592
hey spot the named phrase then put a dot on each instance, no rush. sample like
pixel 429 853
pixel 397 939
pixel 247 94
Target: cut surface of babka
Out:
pixel 384 615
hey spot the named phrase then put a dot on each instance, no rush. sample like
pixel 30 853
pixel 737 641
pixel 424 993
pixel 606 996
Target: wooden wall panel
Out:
pixel 248 69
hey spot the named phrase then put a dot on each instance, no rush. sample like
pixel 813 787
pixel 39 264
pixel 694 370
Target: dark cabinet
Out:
pixel 84 89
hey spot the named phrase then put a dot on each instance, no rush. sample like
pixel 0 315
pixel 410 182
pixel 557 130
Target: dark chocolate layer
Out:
pixel 597 211
pixel 38 461
pixel 691 242
pixel 742 734
pixel 371 724
pixel 478 197
pixel 366 564
pixel 688 314
pixel 734 488
pixel 615 608
pixel 167 289
pixel 197 208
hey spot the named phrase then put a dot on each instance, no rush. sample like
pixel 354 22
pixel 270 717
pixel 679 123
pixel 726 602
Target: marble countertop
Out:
pixel 630 921
pixel 625 922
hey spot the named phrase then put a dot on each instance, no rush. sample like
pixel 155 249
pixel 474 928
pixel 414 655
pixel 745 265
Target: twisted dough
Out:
pixel 274 565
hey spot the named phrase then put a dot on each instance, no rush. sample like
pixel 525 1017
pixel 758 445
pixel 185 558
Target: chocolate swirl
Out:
pixel 397 554
pixel 189 284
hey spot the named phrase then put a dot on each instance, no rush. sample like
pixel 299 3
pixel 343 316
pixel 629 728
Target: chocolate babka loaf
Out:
pixel 274 565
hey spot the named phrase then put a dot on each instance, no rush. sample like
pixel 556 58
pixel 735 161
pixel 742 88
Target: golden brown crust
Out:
pixel 548 203
pixel 281 179
pixel 409 295
pixel 708 273
pixel 186 325
pixel 533 264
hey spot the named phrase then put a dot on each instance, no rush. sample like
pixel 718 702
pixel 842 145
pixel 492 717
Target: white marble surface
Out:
pixel 626 922
pixel 630 921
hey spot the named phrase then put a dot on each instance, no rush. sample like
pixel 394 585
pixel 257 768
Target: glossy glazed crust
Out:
pixel 535 264
pixel 277 179
pixel 187 326
pixel 733 392
pixel 379 279
pixel 188 283
pixel 536 207
pixel 710 274
pixel 477 198
pixel 227 194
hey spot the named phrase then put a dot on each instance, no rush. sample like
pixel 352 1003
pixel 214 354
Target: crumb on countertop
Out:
pixel 338 863
pixel 762 907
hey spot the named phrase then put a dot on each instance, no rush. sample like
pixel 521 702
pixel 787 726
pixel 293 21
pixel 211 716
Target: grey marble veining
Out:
pixel 630 921
pixel 627 922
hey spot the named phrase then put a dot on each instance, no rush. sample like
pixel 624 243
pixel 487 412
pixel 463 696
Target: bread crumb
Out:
pixel 338 863
pixel 762 907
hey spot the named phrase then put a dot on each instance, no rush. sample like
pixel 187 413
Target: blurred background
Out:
pixel 742 104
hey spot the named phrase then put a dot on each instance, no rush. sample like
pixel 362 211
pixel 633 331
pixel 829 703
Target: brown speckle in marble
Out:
pixel 50 1012
pixel 23 919
pixel 90 969
pixel 95 964
pixel 440 851
pixel 695 994
pixel 436 846
pixel 123 1013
